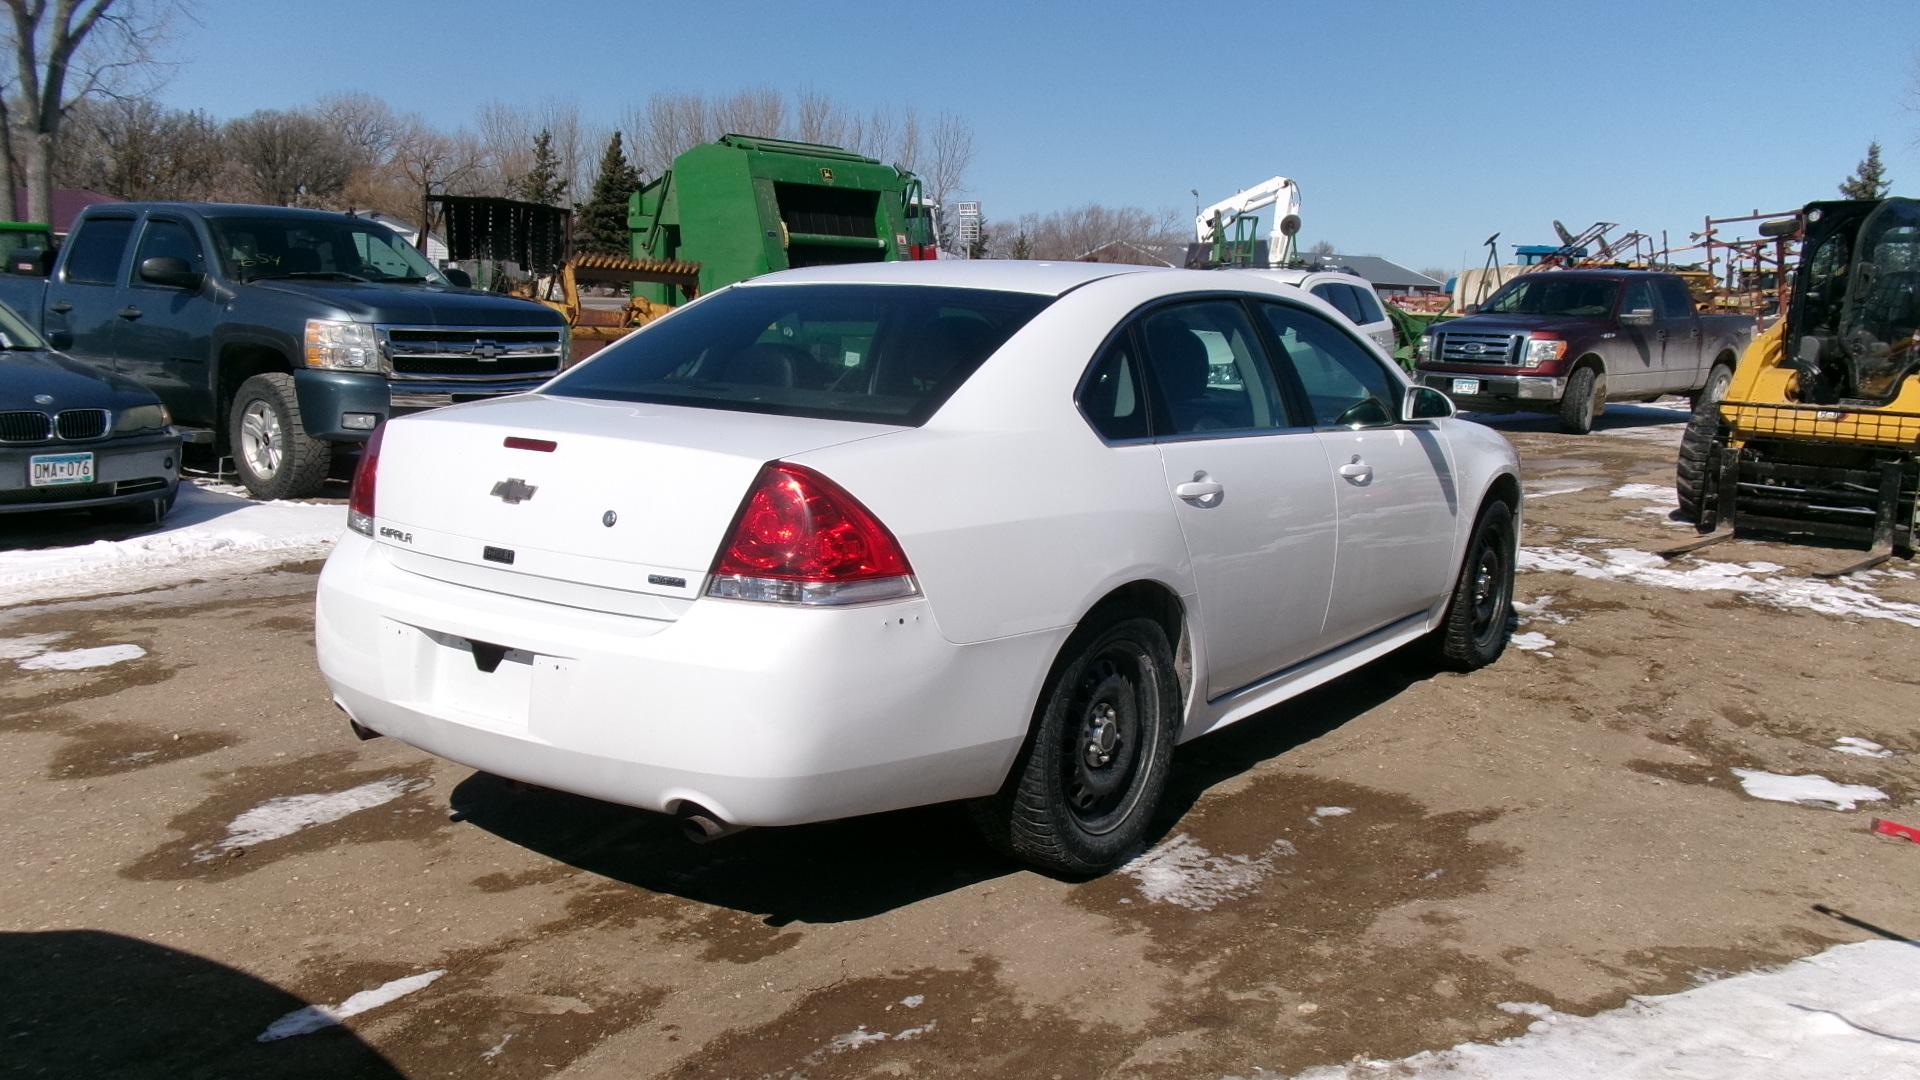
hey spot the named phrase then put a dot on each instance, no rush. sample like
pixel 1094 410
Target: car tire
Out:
pixel 1473 632
pixel 1581 403
pixel 1715 389
pixel 1085 787
pixel 272 451
pixel 1693 474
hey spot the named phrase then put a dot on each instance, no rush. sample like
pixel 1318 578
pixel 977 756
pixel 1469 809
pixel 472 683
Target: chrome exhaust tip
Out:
pixel 703 826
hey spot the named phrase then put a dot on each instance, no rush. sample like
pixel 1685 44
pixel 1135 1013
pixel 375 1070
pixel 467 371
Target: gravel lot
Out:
pixel 199 848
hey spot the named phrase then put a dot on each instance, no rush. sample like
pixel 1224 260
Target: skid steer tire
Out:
pixel 1693 475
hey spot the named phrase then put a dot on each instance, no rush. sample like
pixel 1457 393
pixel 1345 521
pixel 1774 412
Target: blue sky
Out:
pixel 1414 130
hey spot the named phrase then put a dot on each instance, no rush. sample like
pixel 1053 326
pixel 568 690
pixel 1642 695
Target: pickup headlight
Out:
pixel 566 347
pixel 142 418
pixel 341 345
pixel 1425 348
pixel 1539 351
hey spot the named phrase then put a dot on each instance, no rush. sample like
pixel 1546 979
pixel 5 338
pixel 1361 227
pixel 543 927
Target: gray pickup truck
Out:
pixel 278 336
pixel 1569 341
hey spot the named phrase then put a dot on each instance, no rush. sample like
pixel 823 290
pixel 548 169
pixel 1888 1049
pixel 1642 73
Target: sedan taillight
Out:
pixel 800 538
pixel 365 475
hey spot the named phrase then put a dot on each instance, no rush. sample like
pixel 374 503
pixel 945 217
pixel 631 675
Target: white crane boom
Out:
pixel 1211 225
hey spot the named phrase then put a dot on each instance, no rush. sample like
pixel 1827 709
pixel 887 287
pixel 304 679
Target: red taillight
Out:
pixel 801 538
pixel 365 476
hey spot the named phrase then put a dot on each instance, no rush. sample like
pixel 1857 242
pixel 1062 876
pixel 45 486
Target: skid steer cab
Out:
pixel 1819 433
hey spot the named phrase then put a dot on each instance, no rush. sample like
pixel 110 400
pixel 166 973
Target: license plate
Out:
pixel 51 470
pixel 1466 386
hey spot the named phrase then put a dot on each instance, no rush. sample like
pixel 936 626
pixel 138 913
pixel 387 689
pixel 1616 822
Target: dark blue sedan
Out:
pixel 75 437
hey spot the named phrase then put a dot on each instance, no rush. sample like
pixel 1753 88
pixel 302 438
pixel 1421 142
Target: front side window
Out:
pixel 251 249
pixel 1343 382
pixel 1206 365
pixel 93 254
pixel 170 239
pixel 884 354
pixel 1639 298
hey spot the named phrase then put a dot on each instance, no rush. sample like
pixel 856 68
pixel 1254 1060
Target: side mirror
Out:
pixel 31 262
pixel 1473 309
pixel 1365 414
pixel 457 277
pixel 1425 403
pixel 172 272
pixel 1637 317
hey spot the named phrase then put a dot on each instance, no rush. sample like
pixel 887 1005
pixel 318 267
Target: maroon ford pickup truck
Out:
pixel 1569 341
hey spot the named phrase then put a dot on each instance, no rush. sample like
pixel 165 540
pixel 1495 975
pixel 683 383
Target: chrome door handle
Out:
pixel 1199 490
pixel 61 306
pixel 1357 471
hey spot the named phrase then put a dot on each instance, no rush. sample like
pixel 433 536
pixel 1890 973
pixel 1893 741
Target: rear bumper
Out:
pixel 1498 392
pixel 328 398
pixel 126 471
pixel 763 714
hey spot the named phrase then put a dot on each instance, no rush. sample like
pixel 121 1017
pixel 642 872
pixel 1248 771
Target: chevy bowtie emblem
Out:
pixel 487 350
pixel 513 490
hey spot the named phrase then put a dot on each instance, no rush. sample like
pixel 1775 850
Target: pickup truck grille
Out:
pixel 472 354
pixel 1460 347
pixel 74 425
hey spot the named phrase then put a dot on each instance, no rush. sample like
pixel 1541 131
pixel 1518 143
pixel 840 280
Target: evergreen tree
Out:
pixel 1869 179
pixel 978 249
pixel 543 183
pixel 603 217
pixel 1022 246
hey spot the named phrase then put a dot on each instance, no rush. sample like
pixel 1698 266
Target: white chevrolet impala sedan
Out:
pixel 855 538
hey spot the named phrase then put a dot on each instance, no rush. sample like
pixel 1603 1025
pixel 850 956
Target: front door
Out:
pixel 84 299
pixel 1636 367
pixel 168 331
pixel 1395 495
pixel 1250 490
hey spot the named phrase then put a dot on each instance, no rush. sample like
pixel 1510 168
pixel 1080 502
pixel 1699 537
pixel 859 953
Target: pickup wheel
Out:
pixel 1084 788
pixel 1582 402
pixel 1693 477
pixel 275 456
pixel 1473 632
pixel 1718 380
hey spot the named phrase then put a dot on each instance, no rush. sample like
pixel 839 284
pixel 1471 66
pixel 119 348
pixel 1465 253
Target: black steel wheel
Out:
pixel 1479 615
pixel 1084 789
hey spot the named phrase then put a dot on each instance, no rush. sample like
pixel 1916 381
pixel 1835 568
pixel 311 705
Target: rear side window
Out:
pixel 1339 296
pixel 93 254
pixel 1206 363
pixel 884 354
pixel 1674 298
pixel 1113 399
pixel 1368 304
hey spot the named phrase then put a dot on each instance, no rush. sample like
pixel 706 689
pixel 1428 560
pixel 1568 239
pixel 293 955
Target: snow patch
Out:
pixel 82 659
pixel 1663 499
pixel 1548 493
pixel 1848 744
pixel 1847 1012
pixel 1332 811
pixel 1532 641
pixel 1750 579
pixel 497 1048
pixel 1806 788
pixel 315 1017
pixel 914 1001
pixel 20 648
pixel 211 529
pixel 288 814
pixel 1181 872
pixel 1535 610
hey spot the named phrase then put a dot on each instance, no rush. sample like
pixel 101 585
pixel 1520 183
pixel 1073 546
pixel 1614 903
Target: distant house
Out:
pixel 435 249
pixel 67 204
pixel 1386 275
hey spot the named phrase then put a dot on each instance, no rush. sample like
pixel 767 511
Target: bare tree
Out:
pixel 135 148
pixel 1097 233
pixel 289 158
pixel 64 52
pixel 426 159
pixel 1320 251
pixel 949 156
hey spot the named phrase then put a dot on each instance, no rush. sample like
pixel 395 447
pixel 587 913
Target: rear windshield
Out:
pixel 886 354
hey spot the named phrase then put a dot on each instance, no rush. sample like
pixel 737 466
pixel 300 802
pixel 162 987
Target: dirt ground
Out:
pixel 1564 827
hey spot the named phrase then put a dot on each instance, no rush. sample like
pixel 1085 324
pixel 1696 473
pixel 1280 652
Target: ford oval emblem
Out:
pixel 609 518
pixel 1473 347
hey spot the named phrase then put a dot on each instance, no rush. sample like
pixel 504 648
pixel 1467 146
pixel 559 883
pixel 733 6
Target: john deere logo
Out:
pixel 826 176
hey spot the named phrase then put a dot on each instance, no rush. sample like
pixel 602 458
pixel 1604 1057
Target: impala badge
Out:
pixel 513 490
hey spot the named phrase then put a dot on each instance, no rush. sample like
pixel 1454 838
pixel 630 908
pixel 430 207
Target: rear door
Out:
pixel 168 330
pixel 84 299
pixel 1678 331
pixel 1248 485
pixel 1394 487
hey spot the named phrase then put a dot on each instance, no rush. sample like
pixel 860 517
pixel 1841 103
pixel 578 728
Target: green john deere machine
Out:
pixel 745 206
